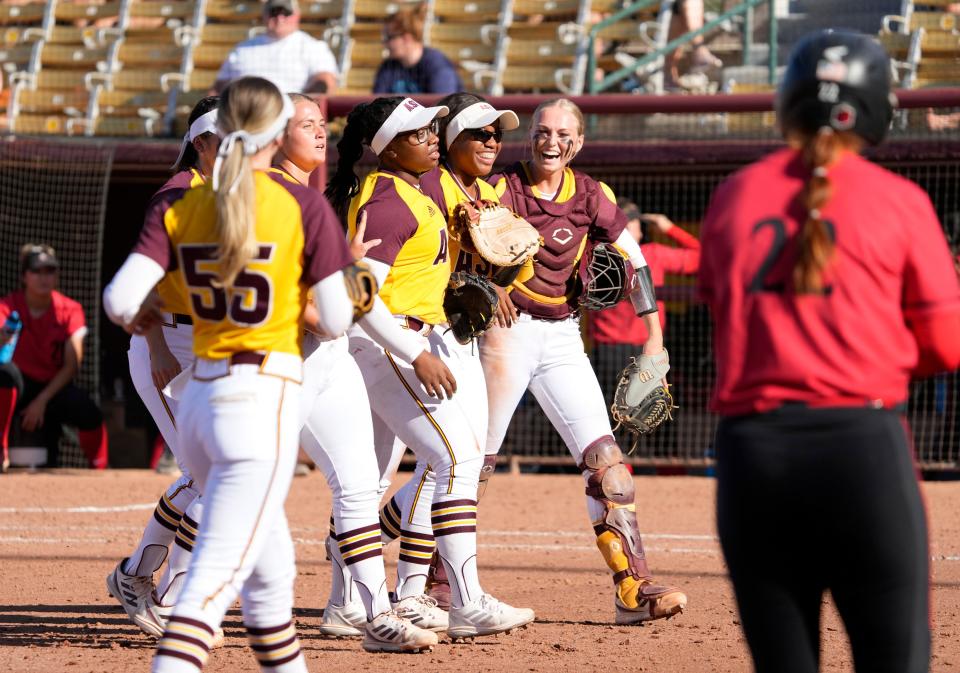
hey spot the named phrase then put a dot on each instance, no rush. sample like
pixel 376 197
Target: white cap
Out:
pixel 408 116
pixel 205 123
pixel 477 116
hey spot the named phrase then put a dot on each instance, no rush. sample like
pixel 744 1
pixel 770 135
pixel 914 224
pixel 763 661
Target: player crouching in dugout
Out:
pixel 38 382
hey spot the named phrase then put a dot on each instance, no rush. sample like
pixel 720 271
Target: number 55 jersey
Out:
pixel 849 345
pixel 299 243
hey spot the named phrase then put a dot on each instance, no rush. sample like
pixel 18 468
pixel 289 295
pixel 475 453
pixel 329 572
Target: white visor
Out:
pixel 477 116
pixel 252 142
pixel 205 123
pixel 408 116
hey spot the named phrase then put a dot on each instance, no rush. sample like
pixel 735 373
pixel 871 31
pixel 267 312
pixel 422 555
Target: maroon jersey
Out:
pixel 39 352
pixel 582 211
pixel 849 345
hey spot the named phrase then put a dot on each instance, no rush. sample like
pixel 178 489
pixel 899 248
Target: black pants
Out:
pixel 608 361
pixel 70 406
pixel 810 500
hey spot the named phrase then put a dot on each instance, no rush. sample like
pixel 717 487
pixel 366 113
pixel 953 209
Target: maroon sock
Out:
pixel 8 403
pixel 94 445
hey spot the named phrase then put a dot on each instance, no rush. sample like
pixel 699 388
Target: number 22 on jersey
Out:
pixel 770 276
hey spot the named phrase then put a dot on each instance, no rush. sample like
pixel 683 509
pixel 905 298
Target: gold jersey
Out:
pixel 300 242
pixel 414 244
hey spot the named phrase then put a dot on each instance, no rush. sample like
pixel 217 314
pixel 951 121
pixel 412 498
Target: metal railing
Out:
pixel 745 7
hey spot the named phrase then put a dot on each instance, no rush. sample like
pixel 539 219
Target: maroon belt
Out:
pixel 247 358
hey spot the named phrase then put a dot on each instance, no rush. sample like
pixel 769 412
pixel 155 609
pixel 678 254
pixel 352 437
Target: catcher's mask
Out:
pixel 604 277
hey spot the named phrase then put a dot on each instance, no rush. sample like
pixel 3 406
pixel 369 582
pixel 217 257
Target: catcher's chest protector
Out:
pixel 562 226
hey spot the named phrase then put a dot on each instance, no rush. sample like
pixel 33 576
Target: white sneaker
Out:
pixel 485 616
pixel 389 632
pixel 218 636
pixel 135 594
pixel 344 621
pixel 423 612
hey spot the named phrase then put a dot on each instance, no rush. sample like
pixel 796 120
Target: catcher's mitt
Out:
pixel 362 288
pixel 494 232
pixel 470 303
pixel 642 402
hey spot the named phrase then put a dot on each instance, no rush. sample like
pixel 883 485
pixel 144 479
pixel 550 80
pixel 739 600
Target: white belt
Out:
pixel 283 365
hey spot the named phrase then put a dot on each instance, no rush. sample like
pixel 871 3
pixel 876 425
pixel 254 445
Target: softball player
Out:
pixel 155 359
pixel 417 380
pixel 246 247
pixel 338 435
pixel 470 141
pixel 541 347
pixel 833 283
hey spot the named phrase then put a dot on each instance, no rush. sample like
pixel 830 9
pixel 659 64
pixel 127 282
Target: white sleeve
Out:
pixel 627 243
pixel 333 305
pixel 383 328
pixel 124 296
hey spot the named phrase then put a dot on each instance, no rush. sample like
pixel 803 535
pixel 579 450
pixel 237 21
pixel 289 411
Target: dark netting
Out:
pixel 54 192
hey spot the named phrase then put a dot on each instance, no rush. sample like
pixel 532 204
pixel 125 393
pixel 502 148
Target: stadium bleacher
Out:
pixel 135 67
pixel 925 41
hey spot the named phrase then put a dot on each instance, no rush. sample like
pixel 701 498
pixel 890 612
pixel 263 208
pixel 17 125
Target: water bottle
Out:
pixel 11 328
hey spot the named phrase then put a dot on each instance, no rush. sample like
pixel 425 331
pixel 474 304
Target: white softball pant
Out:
pixel 240 428
pixel 338 434
pixel 163 526
pixel 446 434
pixel 548 358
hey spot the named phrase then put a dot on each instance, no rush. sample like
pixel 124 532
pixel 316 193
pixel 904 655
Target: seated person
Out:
pixel 411 67
pixel 38 382
pixel 285 55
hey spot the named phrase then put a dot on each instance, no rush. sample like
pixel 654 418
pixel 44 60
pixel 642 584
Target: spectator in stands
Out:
pixel 616 333
pixel 46 361
pixel 687 17
pixel 411 67
pixel 285 55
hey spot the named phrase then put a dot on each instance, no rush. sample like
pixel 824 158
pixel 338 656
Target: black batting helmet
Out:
pixel 838 79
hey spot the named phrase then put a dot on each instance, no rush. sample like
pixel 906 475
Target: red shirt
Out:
pixel 891 264
pixel 39 353
pixel 620 324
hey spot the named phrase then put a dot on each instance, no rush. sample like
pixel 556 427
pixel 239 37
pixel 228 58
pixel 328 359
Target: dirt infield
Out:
pixel 61 533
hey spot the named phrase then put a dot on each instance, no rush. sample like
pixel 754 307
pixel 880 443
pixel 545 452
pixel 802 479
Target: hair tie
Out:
pixel 820 171
pixel 815 213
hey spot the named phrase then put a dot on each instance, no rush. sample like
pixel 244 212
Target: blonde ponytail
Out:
pixel 248 106
pixel 236 215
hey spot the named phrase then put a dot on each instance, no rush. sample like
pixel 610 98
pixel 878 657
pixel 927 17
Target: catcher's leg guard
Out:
pixel 618 537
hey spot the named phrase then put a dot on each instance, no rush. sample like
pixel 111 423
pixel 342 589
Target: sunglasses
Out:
pixel 482 136
pixel 279 11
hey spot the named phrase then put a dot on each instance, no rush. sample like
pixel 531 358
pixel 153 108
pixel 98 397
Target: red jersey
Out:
pixel 851 343
pixel 621 324
pixel 39 353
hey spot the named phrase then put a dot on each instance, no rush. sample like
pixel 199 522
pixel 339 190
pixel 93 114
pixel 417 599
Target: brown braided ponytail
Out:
pixel 816 239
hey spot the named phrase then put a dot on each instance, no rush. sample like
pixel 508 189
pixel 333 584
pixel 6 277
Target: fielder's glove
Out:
pixel 642 402
pixel 470 303
pixel 494 232
pixel 362 288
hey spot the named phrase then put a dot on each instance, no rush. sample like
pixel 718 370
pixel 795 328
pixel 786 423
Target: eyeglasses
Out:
pixel 44 271
pixel 482 135
pixel 422 135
